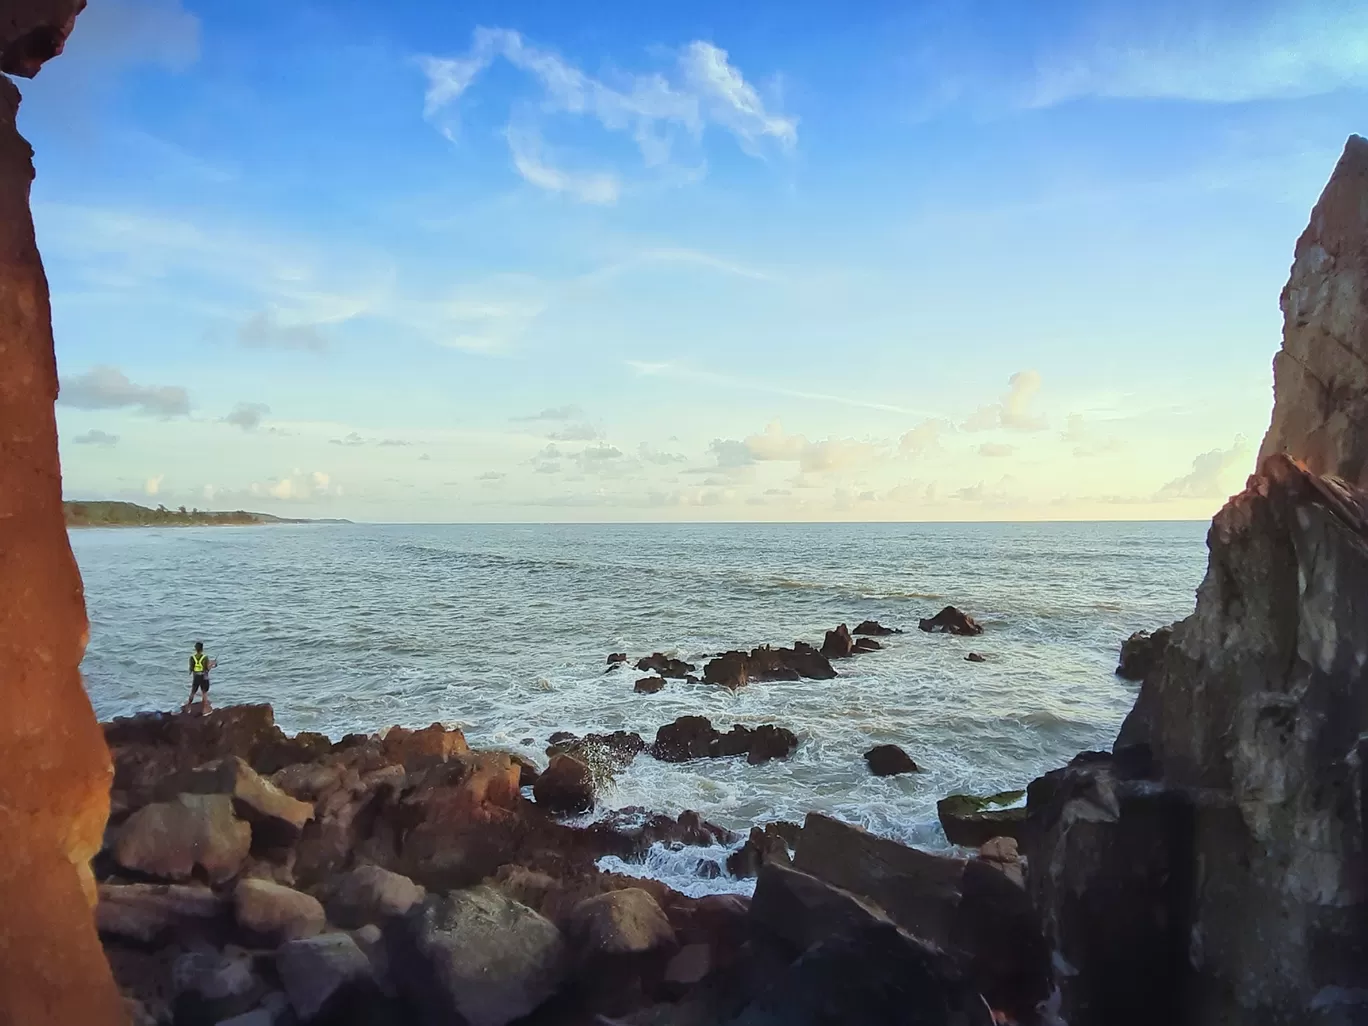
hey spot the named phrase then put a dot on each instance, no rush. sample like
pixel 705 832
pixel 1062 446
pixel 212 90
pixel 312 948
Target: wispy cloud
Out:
pixel 672 369
pixel 656 109
pixel 576 433
pixel 262 331
pixel 108 388
pixel 1209 476
pixel 774 445
pixel 568 412
pixel 1013 412
pixel 96 437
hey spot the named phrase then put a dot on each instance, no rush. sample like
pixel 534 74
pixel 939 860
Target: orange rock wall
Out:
pixel 54 767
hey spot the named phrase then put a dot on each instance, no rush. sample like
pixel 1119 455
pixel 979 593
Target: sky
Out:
pixel 950 260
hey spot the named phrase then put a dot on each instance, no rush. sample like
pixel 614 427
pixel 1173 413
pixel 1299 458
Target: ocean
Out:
pixel 504 630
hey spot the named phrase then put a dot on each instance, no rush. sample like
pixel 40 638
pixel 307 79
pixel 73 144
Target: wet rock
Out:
pixel 618 748
pixel 765 844
pixel 208 986
pixel 736 669
pixel 874 975
pixel 867 645
pixel 889 761
pixel 475 957
pixel 171 840
pixel 528 771
pixel 688 737
pixel 275 912
pixel 951 621
pixel 649 685
pixel 770 742
pixel 872 628
pixel 328 977
pixel 150 913
pixel 737 741
pixel 766 663
pixel 1141 652
pixel 838 644
pixel 370 894
pixel 728 670
pixel 566 787
pixel 665 666
pixel 972 821
pixel 616 659
pixel 621 922
pixel 974 657
pixel 420 749
pixel 276 818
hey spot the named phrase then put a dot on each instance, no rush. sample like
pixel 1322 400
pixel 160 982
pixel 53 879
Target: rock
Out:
pixel 566 788
pixel 770 742
pixel 917 890
pixel 764 663
pixel 972 821
pixel 688 737
pixel 728 670
pixel 867 645
pixel 951 621
pixel 649 685
pixel 276 912
pixel 809 663
pixel 838 644
pixel 974 657
pixel 875 975
pixel 420 749
pixel 1001 853
pixel 1320 375
pixel 998 937
pixel 475 957
pixel 149 913
pixel 765 844
pixel 327 975
pixel 528 771
pixel 208 986
pixel 370 894
pixel 172 839
pixel 736 741
pixel 622 922
pixel 666 666
pixel 304 747
pixel 276 818
pixel 311 781
pixel 800 909
pixel 689 965
pixel 1141 652
pixel 55 785
pixel 889 761
pixel 616 659
pixel 602 753
pixel 872 628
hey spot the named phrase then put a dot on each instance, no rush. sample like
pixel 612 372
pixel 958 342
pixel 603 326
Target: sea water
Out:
pixel 504 631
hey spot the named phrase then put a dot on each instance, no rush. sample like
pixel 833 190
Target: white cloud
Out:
pixel 648 453
pixel 773 444
pixel 1013 412
pixel 96 437
pixel 1210 473
pixel 924 437
pixel 108 388
pixel 298 487
pixel 836 454
pixel 247 415
pixel 996 449
pixel 152 485
pixel 576 433
pixel 655 109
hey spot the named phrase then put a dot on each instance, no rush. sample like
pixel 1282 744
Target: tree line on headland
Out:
pixel 130 514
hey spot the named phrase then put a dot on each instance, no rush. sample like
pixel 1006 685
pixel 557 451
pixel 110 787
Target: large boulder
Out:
pixel 889 761
pixel 474 957
pixel 770 843
pixel 649 685
pixel 371 894
pixel 665 666
pixel 275 912
pixel 1320 375
pixel 688 737
pixel 951 621
pixel 328 977
pixel 729 670
pixel 1141 652
pixel 172 840
pixel 566 787
pixel 622 922
pixel 838 644
pixel 872 628
pixel 150 913
pixel 419 749
pixel 973 820
pixel 770 742
pixel 277 819
pixel 209 986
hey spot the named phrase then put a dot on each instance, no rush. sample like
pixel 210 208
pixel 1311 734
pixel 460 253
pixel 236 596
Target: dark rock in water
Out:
pixel 766 663
pixel 764 845
pixel 566 786
pixel 688 737
pixel 665 666
pixel 528 741
pixel 867 645
pixel 974 657
pixel 1141 652
pixel 874 975
pixel 617 658
pixel 809 662
pixel 649 685
pixel 838 644
pixel 972 821
pixel 875 629
pixel 889 761
pixel 736 741
pixel 951 621
pixel 730 670
pixel 560 737
pixel 770 742
pixel 603 753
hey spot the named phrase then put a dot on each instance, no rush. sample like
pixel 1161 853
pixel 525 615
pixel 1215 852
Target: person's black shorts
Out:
pixel 199 682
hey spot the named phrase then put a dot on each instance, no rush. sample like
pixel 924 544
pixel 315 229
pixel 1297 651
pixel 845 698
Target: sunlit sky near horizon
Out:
pixel 952 260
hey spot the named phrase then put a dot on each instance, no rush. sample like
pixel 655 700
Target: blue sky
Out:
pixel 436 262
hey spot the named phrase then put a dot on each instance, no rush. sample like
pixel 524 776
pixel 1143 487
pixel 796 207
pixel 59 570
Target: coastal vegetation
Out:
pixel 130 514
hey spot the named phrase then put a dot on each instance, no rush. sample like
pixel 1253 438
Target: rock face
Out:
pixel 838 644
pixel 1141 651
pixel 1320 410
pixel 276 818
pixel 54 792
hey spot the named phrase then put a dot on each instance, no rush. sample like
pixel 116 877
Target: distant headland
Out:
pixel 130 514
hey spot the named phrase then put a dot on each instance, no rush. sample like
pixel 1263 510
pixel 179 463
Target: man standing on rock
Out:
pixel 200 665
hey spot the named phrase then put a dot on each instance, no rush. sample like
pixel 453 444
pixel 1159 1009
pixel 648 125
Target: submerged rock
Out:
pixel 889 761
pixel 735 669
pixel 873 628
pixel 951 621
pixel 974 657
pixel 1141 652
pixel 616 659
pixel 694 737
pixel 649 685
pixel 666 666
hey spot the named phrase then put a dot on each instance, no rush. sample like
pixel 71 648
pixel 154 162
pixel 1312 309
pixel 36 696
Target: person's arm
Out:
pixel 192 664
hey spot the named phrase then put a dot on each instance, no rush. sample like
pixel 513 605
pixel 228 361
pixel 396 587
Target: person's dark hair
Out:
pixel 199 646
